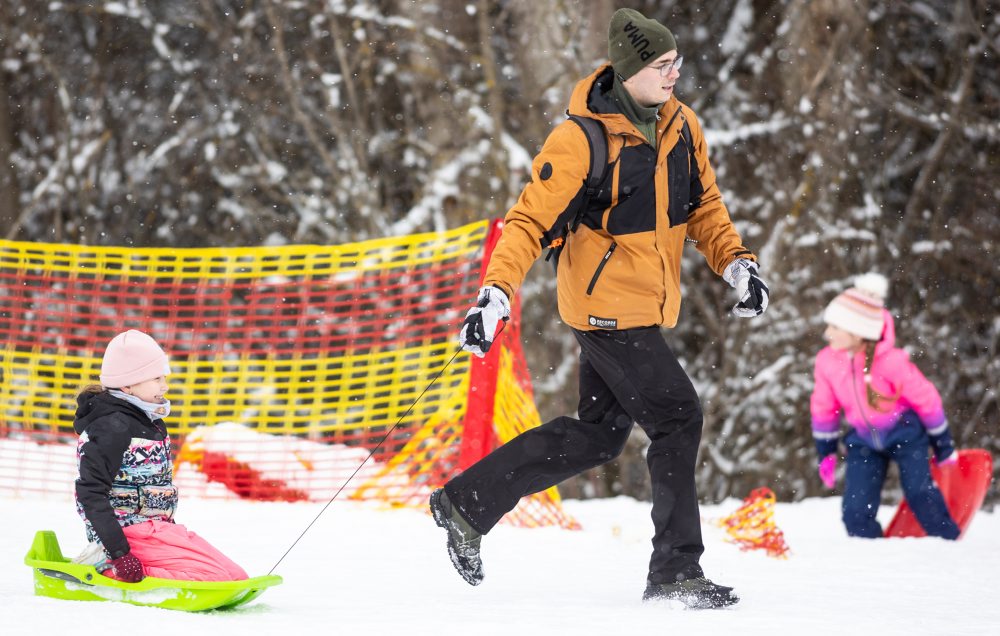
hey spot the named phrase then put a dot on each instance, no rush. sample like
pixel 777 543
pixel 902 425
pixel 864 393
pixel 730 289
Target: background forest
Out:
pixel 848 136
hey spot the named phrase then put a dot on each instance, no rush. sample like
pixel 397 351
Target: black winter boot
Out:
pixel 696 593
pixel 463 539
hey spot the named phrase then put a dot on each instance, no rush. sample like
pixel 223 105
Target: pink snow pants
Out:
pixel 171 551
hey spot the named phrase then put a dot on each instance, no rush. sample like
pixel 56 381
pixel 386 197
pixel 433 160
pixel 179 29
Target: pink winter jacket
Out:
pixel 840 388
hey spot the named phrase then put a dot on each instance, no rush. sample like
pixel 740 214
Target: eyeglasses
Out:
pixel 664 69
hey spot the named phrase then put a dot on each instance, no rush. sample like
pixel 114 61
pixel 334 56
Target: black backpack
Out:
pixel 593 130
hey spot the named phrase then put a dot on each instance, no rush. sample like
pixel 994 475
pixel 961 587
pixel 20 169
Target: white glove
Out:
pixel 751 290
pixel 480 324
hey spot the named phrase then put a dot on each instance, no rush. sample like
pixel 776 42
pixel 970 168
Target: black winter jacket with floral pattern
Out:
pixel 126 476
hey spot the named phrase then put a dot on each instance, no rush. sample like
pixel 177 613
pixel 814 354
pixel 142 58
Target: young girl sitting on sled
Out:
pixel 894 413
pixel 125 490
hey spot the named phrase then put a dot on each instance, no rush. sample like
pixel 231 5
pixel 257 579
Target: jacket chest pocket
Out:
pixel 679 183
pixel 635 210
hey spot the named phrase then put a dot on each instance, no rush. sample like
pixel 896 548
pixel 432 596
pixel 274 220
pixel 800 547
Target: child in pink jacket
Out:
pixel 125 491
pixel 893 411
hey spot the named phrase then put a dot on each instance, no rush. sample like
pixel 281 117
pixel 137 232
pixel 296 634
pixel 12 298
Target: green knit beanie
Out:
pixel 635 41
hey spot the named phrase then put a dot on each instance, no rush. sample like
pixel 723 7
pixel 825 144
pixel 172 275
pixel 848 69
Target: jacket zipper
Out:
pixel 861 409
pixel 600 267
pixel 671 121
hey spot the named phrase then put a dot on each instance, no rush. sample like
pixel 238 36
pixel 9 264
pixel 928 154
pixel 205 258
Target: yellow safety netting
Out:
pixel 752 526
pixel 289 364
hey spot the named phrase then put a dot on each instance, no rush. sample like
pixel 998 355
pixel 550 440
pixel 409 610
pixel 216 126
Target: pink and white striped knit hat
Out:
pixel 859 309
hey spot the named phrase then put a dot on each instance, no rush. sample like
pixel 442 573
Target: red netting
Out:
pixel 752 526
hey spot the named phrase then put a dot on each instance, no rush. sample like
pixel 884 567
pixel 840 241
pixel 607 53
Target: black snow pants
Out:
pixel 626 376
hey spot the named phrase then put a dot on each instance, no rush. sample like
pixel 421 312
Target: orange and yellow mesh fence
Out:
pixel 289 364
pixel 752 526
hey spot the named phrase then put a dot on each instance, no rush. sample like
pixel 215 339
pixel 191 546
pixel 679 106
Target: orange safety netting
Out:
pixel 752 526
pixel 290 364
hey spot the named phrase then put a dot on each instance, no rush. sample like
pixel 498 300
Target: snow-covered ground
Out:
pixel 362 570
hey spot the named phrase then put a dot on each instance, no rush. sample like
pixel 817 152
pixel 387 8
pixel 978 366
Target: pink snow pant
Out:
pixel 171 551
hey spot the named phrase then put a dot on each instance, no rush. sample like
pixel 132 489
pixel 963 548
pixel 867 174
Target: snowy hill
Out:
pixel 366 570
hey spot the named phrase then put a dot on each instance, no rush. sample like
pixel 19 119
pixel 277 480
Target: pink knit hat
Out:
pixel 859 309
pixel 132 357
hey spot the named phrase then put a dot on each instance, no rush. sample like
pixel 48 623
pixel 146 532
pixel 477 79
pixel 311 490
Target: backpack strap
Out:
pixel 593 130
pixel 597 142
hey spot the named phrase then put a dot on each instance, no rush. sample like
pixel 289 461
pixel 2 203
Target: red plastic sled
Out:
pixel 963 485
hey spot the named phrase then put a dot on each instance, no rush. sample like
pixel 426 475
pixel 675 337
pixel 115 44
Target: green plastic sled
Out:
pixel 56 577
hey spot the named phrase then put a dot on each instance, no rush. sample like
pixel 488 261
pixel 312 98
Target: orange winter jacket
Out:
pixel 621 267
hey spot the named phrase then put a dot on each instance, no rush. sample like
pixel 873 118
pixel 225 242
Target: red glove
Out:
pixel 127 568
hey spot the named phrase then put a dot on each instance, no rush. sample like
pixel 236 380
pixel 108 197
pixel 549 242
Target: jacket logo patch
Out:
pixel 603 323
pixel 545 172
